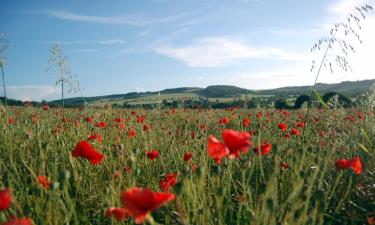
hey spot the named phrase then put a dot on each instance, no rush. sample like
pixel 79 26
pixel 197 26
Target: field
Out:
pixel 300 176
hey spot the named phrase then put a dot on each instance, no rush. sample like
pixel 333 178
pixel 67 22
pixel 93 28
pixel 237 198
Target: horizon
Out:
pixel 153 45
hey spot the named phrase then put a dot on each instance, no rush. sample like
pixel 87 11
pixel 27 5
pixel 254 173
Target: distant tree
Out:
pixel 300 100
pixel 59 63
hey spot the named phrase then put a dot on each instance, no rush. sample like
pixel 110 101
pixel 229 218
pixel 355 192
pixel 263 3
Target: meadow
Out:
pixel 196 166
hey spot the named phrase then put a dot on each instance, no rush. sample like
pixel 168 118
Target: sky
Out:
pixel 115 47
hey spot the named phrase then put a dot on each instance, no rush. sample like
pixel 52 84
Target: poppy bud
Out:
pixel 55 186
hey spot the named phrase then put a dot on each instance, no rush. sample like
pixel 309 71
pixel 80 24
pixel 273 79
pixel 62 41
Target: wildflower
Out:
pixel 43 182
pixel 223 121
pixel 152 154
pixel 265 148
pixel 118 213
pixel 95 137
pixel 141 201
pixel 236 142
pixel 101 124
pixel 294 131
pixel 20 221
pixel 353 164
pixel 85 150
pixel 4 199
pixel 168 181
pixel 282 126
pixel 187 156
pixel 246 122
pixel 216 150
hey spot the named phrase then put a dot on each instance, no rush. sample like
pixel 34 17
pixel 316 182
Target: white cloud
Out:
pixel 32 92
pixel 214 52
pixel 343 7
pixel 128 19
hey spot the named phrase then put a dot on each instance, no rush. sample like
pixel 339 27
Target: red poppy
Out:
pixel 118 120
pixel 121 126
pixel 95 137
pixel 152 154
pixel 223 121
pixel 140 201
pixel 118 213
pixel 246 122
pixel 168 181
pixel 43 181
pixel 265 148
pixel 282 126
pixel 145 127
pixel 88 119
pixel 20 221
pixel 4 199
pixel 101 124
pixel 300 124
pixel 10 120
pixel 216 150
pixel 353 164
pixel 187 156
pixel 85 150
pixel 131 133
pixel 236 142
pixel 141 119
pixel 294 131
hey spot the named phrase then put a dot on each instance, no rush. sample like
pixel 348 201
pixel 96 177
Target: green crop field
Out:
pixel 205 168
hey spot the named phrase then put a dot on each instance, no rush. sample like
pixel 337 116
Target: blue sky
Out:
pixel 146 45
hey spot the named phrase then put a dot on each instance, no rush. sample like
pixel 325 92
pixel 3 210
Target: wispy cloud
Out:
pixel 126 19
pixel 32 92
pixel 215 52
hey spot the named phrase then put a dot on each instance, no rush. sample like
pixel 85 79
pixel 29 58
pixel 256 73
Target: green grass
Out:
pixel 250 190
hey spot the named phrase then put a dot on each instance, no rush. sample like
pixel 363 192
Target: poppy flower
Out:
pixel 145 127
pixel 152 154
pixel 131 133
pixel 236 142
pixel 300 124
pixel 265 148
pixel 101 124
pixel 187 156
pixel 95 137
pixel 140 201
pixel 168 181
pixel 294 131
pixel 141 119
pixel 246 122
pixel 43 181
pixel 216 150
pixel 88 119
pixel 118 213
pixel 4 199
pixel 20 221
pixel 353 164
pixel 118 120
pixel 85 150
pixel 223 121
pixel 282 126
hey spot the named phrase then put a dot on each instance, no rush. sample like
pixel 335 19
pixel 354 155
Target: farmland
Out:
pixel 284 167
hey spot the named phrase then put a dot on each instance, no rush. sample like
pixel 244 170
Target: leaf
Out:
pixel 363 148
pixel 320 100
pixel 364 134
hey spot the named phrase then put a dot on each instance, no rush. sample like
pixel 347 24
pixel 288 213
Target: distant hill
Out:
pixel 349 88
pixel 220 93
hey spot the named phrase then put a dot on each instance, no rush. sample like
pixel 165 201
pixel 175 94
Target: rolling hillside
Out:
pixel 219 93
